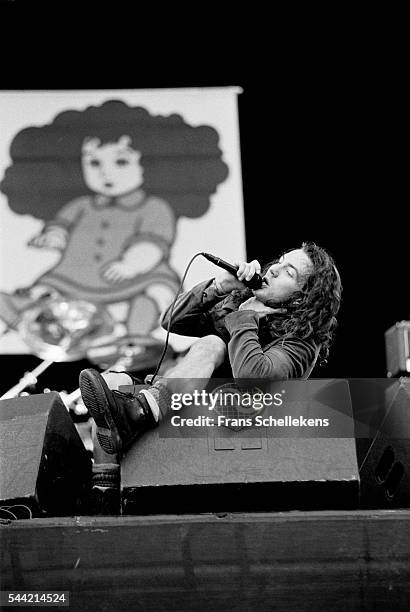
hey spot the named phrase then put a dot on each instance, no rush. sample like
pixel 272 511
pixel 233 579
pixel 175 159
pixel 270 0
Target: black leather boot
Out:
pixel 111 412
pixel 104 497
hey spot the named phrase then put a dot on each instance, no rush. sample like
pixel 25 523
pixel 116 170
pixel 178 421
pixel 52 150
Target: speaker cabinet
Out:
pixel 220 469
pixel 397 343
pixel 44 464
pixel 385 471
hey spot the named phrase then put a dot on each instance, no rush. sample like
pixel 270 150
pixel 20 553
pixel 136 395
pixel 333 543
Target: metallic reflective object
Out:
pixel 59 329
pixel 132 352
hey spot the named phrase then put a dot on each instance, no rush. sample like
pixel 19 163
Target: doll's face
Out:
pixel 111 169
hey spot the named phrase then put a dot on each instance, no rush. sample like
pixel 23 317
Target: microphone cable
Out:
pixel 170 317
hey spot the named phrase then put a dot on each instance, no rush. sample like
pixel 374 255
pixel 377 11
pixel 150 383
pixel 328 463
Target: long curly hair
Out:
pixel 313 309
pixel 311 312
pixel 182 163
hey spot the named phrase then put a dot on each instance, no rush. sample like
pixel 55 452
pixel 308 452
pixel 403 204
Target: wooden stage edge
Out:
pixel 343 560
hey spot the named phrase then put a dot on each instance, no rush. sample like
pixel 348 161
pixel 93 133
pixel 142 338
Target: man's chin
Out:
pixel 260 294
pixel 266 298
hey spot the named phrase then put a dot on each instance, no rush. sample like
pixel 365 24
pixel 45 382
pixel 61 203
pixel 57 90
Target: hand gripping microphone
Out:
pixel 255 282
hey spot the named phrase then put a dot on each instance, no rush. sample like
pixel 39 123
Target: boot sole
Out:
pixel 98 403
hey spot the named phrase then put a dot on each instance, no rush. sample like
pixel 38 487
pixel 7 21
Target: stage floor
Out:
pixel 333 560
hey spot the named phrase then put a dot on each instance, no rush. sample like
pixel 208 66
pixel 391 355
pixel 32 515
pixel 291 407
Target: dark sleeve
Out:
pixel 69 214
pixel 289 359
pixel 156 224
pixel 191 311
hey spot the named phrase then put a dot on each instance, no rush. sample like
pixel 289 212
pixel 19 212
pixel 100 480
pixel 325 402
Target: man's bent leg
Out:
pixel 196 367
pixel 203 357
pixel 104 497
pixel 121 417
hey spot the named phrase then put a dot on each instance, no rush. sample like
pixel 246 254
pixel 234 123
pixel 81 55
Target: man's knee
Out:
pixel 209 348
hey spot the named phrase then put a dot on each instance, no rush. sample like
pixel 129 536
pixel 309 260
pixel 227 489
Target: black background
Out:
pixel 322 148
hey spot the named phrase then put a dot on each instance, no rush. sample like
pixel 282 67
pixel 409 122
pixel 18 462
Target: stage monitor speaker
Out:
pixel 243 470
pixel 44 464
pixel 397 343
pixel 385 471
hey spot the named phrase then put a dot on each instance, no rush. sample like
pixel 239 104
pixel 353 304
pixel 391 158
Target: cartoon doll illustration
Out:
pixel 110 183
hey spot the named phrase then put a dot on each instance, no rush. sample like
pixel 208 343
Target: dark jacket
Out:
pixel 254 351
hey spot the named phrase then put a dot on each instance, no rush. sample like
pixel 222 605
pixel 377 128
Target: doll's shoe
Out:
pixel 111 409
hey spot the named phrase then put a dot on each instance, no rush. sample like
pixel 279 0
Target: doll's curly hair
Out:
pixel 182 163
pixel 312 310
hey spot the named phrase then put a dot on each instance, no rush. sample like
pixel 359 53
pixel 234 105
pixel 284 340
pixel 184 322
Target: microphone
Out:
pixel 255 282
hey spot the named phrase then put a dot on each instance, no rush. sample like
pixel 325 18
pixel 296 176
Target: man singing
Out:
pixel 276 332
